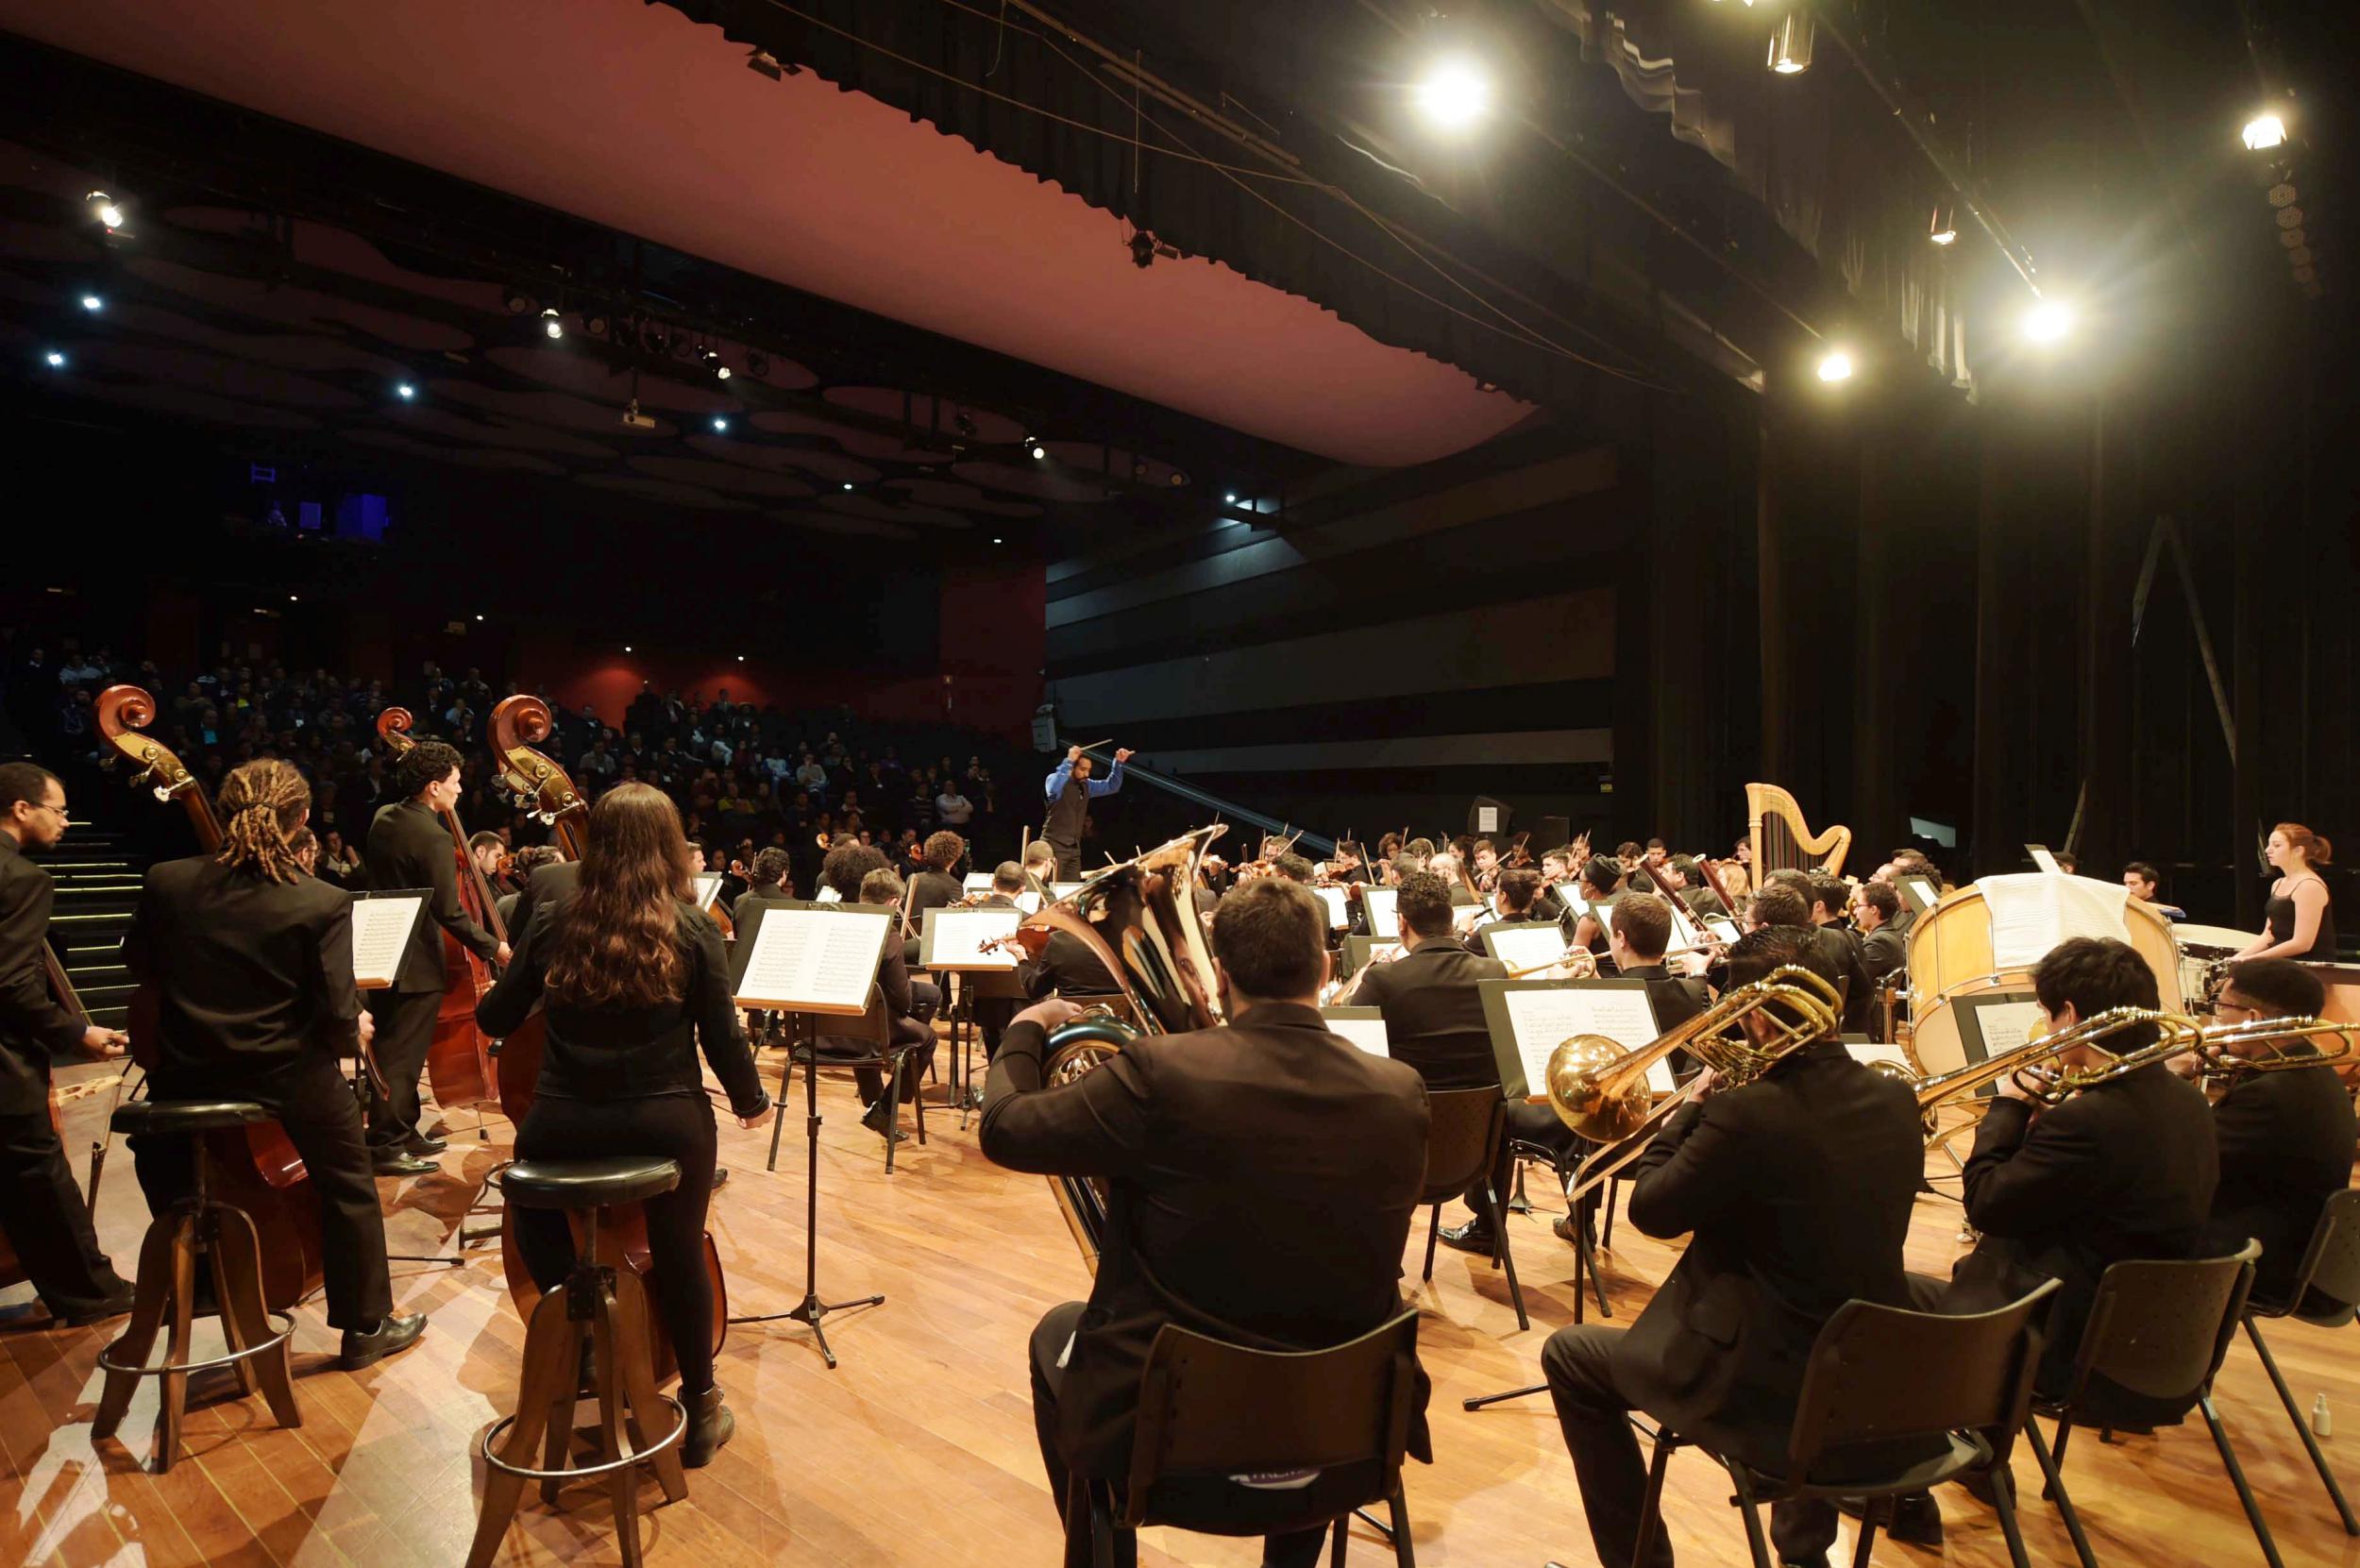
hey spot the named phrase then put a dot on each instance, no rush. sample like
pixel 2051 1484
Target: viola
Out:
pixel 254 1167
pixel 459 1062
pixel 543 789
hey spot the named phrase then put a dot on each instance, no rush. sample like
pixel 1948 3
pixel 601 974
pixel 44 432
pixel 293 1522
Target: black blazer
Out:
pixel 1884 950
pixel 2285 1141
pixel 2125 1169
pixel 1676 998
pixel 754 897
pixel 616 1053
pixel 1262 1176
pixel 409 847
pixel 1433 1014
pixel 1860 991
pixel 1066 966
pixel 545 884
pixel 34 1028
pixel 1797 1188
pixel 250 974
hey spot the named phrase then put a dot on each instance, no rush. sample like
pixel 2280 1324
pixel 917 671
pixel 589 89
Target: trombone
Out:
pixel 2219 1066
pixel 1598 1087
pixel 2028 1063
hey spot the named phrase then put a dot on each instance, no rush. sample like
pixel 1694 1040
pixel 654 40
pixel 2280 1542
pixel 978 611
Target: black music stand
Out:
pixel 802 1026
pixel 361 1069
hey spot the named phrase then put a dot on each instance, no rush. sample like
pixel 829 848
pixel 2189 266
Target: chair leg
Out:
pixel 917 1104
pixel 1755 1541
pixel 2054 1489
pixel 560 1442
pixel 623 1484
pixel 1102 1528
pixel 2303 1427
pixel 1869 1513
pixel 2236 1477
pixel 138 1341
pixel 173 1387
pixel 1433 1228
pixel 1507 1259
pixel 1405 1550
pixel 209 1230
pixel 636 1370
pixel 547 1371
pixel 2065 1435
pixel 893 1108
pixel 1606 1241
pixel 1651 1509
pixel 1339 1534
pixel 237 1258
pixel 2003 1502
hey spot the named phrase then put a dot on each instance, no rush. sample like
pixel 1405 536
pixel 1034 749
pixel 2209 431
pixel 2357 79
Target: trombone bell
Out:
pixel 1593 1090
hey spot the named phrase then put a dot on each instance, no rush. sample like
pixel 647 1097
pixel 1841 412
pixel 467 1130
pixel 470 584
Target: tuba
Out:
pixel 1143 919
pixel 1598 1087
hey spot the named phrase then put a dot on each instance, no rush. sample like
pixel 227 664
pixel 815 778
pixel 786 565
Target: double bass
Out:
pixel 254 1167
pixel 545 790
pixel 459 1063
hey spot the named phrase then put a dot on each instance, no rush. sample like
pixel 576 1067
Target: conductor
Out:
pixel 1069 790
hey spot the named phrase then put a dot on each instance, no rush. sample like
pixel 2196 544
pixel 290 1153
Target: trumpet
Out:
pixel 1580 963
pixel 2223 1067
pixel 1598 1087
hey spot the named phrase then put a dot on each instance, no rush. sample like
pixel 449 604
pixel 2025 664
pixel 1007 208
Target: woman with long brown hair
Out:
pixel 634 981
pixel 2300 919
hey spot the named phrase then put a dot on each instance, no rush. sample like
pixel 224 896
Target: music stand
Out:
pixel 800 975
pixel 949 943
pixel 383 920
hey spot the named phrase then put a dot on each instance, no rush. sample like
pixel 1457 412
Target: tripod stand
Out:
pixel 803 1040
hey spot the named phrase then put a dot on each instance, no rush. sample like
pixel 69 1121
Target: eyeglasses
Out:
pixel 60 809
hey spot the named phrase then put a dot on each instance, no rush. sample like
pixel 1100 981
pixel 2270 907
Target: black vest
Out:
pixel 1067 811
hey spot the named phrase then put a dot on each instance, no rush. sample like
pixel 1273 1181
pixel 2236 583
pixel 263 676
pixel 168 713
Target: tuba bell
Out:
pixel 1144 919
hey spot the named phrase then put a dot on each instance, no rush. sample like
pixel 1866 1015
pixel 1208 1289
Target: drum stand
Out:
pixel 803 1034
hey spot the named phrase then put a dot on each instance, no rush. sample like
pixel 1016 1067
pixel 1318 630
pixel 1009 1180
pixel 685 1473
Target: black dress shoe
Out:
pixel 1563 1229
pixel 1475 1236
pixel 83 1314
pixel 874 1120
pixel 1915 1519
pixel 397 1162
pixel 394 1333
pixel 425 1148
pixel 720 1177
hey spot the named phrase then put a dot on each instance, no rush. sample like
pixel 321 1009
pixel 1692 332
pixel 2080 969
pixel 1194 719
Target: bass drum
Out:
pixel 1951 959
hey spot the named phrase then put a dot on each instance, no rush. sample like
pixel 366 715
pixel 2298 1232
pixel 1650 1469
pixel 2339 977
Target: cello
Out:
pixel 459 1063
pixel 254 1167
pixel 546 791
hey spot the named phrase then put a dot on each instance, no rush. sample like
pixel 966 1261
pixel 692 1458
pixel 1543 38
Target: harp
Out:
pixel 1782 840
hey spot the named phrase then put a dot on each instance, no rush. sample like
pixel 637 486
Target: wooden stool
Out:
pixel 167 1288
pixel 610 1309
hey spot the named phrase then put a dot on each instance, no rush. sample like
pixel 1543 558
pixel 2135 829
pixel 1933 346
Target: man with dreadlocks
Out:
pixel 250 961
pixel 409 847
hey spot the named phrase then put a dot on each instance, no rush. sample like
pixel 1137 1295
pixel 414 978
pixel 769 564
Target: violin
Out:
pixel 254 1167
pixel 459 1062
pixel 544 790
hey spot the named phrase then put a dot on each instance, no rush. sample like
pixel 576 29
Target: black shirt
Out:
pixel 34 1028
pixel 1433 1014
pixel 410 847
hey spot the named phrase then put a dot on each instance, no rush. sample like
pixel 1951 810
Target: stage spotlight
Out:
pixel 995 539
pixel 53 360
pixel 1454 94
pixel 2262 132
pixel 626 648
pixel 1835 367
pixel 848 484
pixel 741 658
pixel 720 424
pixel 2047 322
pixel 479 618
pixel 105 209
pixel 1229 498
pixel 761 61
pixel 552 323
pixel 1943 230
pixel 404 390
pixel 721 372
pixel 1790 44
pixel 1039 451
pixel 92 303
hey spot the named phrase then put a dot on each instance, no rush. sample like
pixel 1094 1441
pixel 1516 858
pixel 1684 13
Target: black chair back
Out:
pixel 1880 1374
pixel 2331 1265
pixel 1207 1407
pixel 1463 1136
pixel 2159 1328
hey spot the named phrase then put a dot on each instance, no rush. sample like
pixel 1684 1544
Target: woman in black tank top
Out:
pixel 2299 917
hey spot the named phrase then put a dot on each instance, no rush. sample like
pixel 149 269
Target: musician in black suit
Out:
pixel 2285 1137
pixel 42 1213
pixel 250 964
pixel 769 880
pixel 2123 1170
pixel 1514 892
pixel 1066 967
pixel 852 871
pixel 410 847
pixel 1831 902
pixel 993 1013
pixel 545 883
pixel 1433 1015
pixel 1876 914
pixel 1797 1188
pixel 936 887
pixel 1236 1210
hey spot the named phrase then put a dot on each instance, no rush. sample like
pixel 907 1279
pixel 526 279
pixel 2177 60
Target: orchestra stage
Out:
pixel 920 1450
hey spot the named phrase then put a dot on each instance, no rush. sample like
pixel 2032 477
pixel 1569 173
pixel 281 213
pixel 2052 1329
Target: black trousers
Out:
pixel 1300 1549
pixel 1068 859
pixel 315 1104
pixel 45 1221
pixel 670 1126
pixel 992 1017
pixel 405 1033
pixel 915 1030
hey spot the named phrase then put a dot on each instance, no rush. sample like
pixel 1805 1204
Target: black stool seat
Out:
pixel 185 1116
pixel 587 1183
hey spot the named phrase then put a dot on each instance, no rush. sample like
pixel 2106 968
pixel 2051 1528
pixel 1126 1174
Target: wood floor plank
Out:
pixel 920 1448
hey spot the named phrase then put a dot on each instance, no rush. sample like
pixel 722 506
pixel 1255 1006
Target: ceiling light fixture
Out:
pixel 720 424
pixel 105 209
pixel 552 323
pixel 1454 94
pixel 1790 44
pixel 2261 133
pixel 404 390
pixel 53 360
pixel 1039 451
pixel 92 303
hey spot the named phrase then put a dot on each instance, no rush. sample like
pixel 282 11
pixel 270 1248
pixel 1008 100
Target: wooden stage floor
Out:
pixel 920 1449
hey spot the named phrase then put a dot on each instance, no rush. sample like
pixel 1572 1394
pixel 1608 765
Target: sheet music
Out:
pixel 1029 903
pixel 1723 928
pixel 828 895
pixel 1572 900
pixel 954 939
pixel 1867 1052
pixel 976 882
pixel 2033 911
pixel 380 934
pixel 1367 1032
pixel 1381 902
pixel 1921 892
pixel 708 888
pixel 824 960
pixel 2042 858
pixel 1522 949
pixel 1544 1017
pixel 1061 890
pixel 2006 1026
pixel 1339 912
